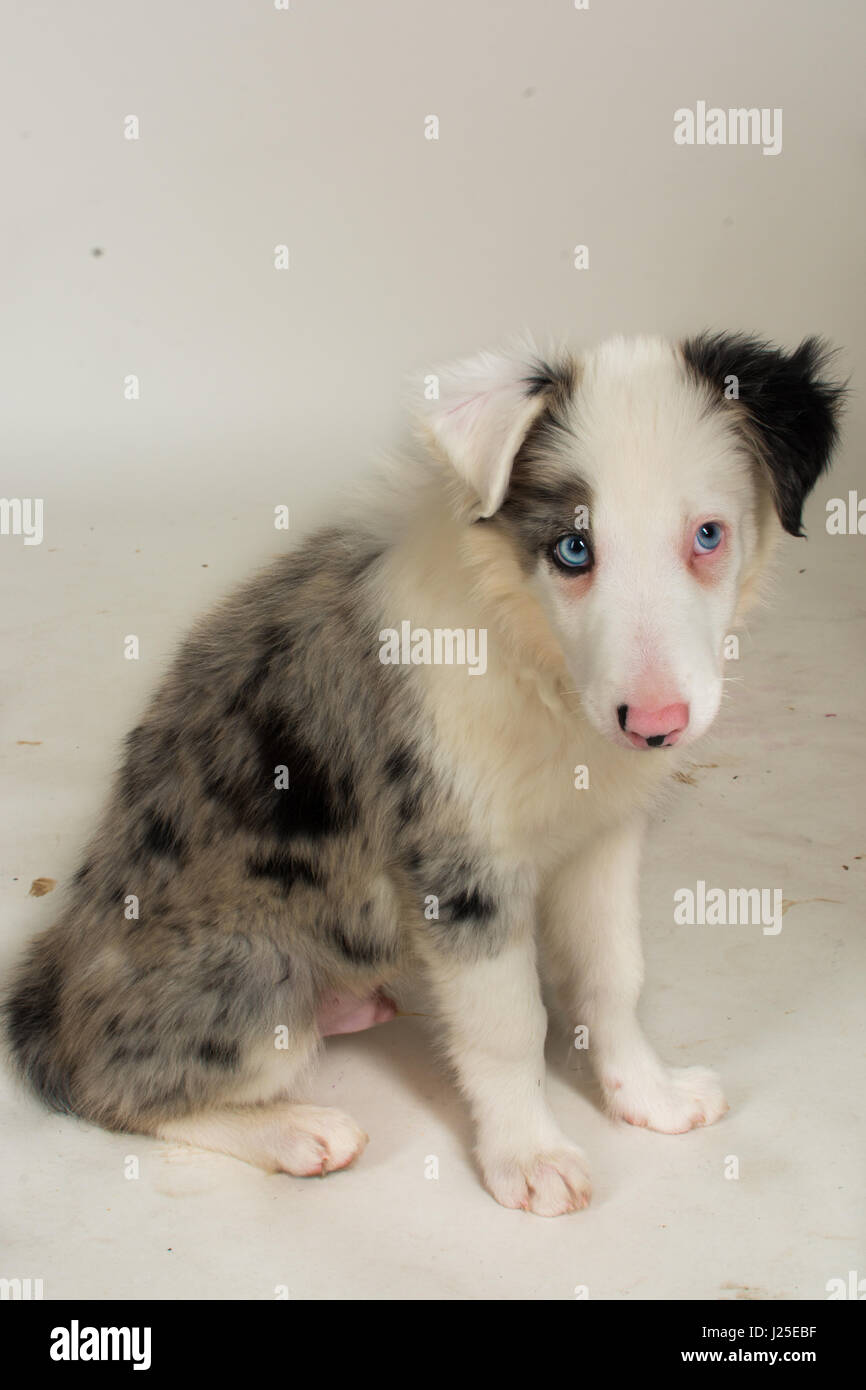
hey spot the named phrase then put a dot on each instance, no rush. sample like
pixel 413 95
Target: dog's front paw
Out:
pixel 551 1182
pixel 671 1102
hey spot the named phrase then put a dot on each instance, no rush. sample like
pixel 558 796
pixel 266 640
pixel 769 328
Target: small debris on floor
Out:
pixel 40 886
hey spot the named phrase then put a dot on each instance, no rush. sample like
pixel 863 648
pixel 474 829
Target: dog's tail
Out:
pixel 31 1023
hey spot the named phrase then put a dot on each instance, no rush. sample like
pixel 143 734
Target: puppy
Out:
pixel 314 803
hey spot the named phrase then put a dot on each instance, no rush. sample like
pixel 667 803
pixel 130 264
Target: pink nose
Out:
pixel 653 728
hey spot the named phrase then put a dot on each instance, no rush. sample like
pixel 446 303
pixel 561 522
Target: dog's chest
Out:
pixel 527 779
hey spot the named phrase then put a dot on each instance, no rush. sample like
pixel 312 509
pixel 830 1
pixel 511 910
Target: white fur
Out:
pixel 660 464
pixel 478 414
pixel 645 631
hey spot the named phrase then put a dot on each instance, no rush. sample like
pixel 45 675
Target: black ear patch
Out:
pixel 792 406
pixel 556 378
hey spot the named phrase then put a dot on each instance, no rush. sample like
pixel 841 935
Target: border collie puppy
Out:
pixel 314 804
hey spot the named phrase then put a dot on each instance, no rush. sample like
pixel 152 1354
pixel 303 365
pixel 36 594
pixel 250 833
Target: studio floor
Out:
pixel 768 1204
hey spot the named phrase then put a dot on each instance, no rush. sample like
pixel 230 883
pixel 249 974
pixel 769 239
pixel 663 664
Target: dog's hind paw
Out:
pixel 316 1140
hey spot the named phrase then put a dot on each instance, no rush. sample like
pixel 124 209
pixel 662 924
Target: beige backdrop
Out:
pixel 306 127
pixel 261 387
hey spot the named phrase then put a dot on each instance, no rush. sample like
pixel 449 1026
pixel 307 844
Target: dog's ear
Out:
pixel 791 408
pixel 480 410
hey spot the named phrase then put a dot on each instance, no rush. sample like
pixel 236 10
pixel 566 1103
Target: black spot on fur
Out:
pixel 311 805
pixel 414 860
pixel 287 869
pixel 221 964
pixel 469 904
pixel 410 806
pixel 456 878
pixel 274 647
pixel 216 1052
pixel 317 802
pixel 400 765
pixel 230 793
pixel 162 837
pixel 263 728
pixel 402 770
pixel 793 409
pixel 357 951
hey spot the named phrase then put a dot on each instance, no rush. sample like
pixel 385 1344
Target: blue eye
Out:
pixel 572 553
pixel 708 537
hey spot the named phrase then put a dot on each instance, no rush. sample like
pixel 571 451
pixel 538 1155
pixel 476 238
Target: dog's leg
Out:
pixel 592 944
pixel 495 1026
pixel 188 1051
pixel 304 1140
pixel 259 1120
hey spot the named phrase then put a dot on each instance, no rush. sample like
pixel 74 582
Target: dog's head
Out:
pixel 636 493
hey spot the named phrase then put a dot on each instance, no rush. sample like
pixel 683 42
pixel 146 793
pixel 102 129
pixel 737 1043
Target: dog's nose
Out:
pixel 653 728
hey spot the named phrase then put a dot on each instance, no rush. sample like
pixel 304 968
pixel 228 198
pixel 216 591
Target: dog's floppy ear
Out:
pixel 481 410
pixel 791 408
